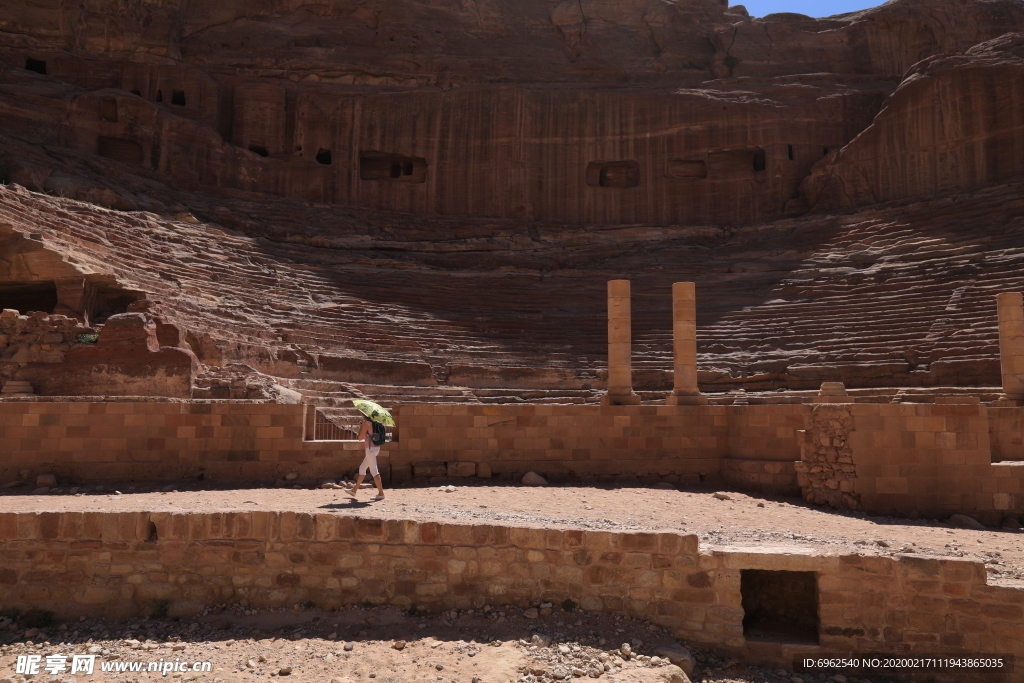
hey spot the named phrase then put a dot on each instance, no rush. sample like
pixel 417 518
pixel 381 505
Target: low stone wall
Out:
pixel 930 459
pixel 166 440
pixel 1006 434
pixel 572 440
pixel 120 564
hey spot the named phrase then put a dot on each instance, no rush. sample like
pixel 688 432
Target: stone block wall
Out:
pixel 763 447
pixel 119 564
pixel 165 440
pixel 931 459
pixel 577 440
pixel 1006 434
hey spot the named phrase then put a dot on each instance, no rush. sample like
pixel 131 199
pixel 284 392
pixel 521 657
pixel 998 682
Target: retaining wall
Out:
pixel 118 564
pixel 164 440
pixel 933 459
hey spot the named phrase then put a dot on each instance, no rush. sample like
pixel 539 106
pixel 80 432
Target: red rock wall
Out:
pixel 954 123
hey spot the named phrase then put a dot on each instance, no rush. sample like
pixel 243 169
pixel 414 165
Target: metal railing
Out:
pixel 323 428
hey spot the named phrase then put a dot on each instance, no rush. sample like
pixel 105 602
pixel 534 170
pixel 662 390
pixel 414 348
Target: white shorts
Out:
pixel 369 463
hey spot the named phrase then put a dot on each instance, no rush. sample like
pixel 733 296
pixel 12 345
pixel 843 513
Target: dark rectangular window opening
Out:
pixel 159 95
pixel 382 166
pixel 178 98
pixel 324 157
pixel 760 160
pixel 108 109
pixel 824 151
pixel 683 168
pixel 789 149
pixel 780 606
pixel 621 174
pixel 37 65
pixel 259 149
pixel 28 296
pixel 127 151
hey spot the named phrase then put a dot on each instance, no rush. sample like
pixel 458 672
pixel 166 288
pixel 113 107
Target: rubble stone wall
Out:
pixel 119 564
pixel 37 337
pixel 826 471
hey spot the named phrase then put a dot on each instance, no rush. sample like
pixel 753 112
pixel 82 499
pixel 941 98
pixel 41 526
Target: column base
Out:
pixel 630 399
pixel 686 400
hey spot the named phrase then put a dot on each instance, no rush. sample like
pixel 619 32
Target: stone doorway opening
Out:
pixel 780 606
pixel 29 296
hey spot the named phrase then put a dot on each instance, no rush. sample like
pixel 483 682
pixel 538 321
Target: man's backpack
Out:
pixel 378 436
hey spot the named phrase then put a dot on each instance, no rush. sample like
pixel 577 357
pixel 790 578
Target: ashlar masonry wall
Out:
pixel 117 564
pixel 932 459
pixel 927 459
pixel 165 441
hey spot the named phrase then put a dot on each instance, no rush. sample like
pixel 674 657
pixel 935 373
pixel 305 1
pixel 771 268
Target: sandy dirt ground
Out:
pixel 358 644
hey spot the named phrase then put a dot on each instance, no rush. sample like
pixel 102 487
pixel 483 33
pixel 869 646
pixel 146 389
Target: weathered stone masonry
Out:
pixel 117 564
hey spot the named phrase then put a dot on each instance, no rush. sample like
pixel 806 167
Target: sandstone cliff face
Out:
pixel 955 122
pixel 885 41
pixel 370 196
pixel 585 112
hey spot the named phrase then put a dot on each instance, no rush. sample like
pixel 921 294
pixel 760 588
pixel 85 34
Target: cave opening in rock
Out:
pixel 178 98
pixel 760 160
pixel 613 174
pixel 37 65
pixel 259 149
pixel 780 606
pixel 381 166
pixel 108 109
pixel 159 95
pixel 324 157
pixel 137 93
pixel 127 151
pixel 29 296
pixel 789 149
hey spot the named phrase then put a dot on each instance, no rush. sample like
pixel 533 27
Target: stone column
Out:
pixel 684 336
pixel 1010 307
pixel 620 369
